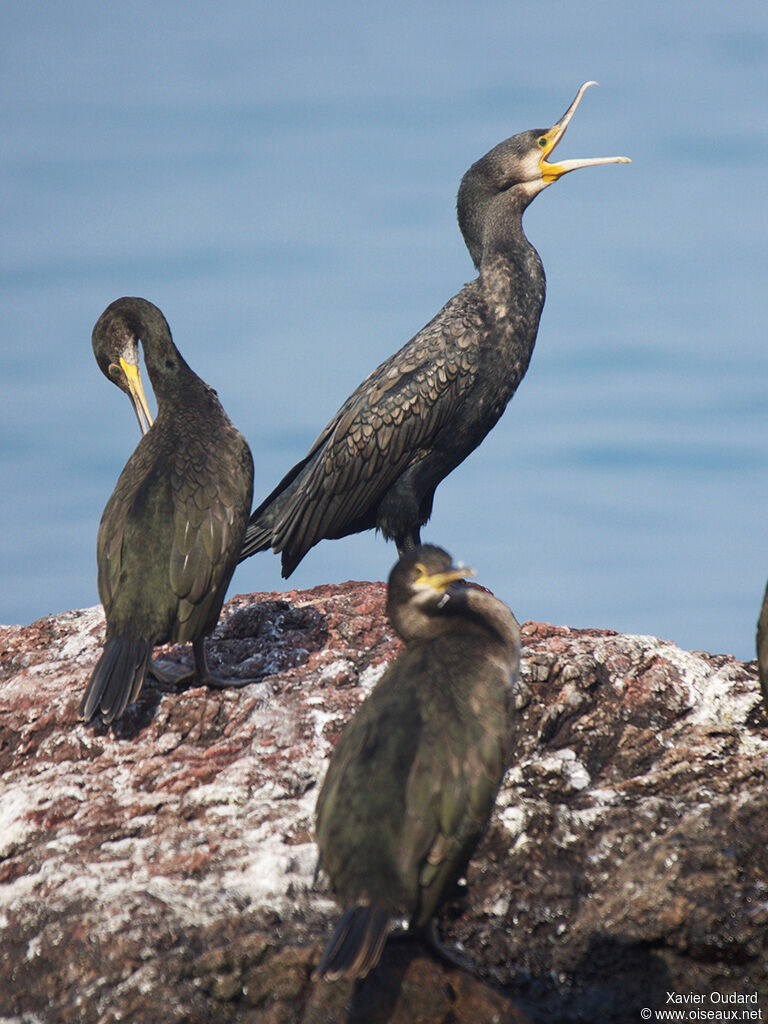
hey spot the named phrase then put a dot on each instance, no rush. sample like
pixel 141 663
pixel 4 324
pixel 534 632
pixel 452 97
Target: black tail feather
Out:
pixel 258 537
pixel 259 532
pixel 356 945
pixel 117 679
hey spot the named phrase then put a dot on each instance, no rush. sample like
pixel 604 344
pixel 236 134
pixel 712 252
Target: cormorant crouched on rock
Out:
pixel 415 418
pixel 172 530
pixel 414 776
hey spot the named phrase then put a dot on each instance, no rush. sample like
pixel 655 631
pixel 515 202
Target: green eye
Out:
pixel 543 141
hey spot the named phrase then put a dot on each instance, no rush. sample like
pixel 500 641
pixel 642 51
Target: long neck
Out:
pixel 503 237
pixel 492 225
pixel 168 372
pixel 471 607
pixel 472 205
pixel 489 615
pixel 513 285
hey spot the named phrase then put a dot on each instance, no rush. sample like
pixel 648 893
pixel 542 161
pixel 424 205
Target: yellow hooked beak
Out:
pixel 547 142
pixel 136 391
pixel 440 581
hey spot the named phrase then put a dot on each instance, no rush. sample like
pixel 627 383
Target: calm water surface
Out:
pixel 281 181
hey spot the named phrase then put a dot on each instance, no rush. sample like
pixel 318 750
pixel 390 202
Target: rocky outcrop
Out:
pixel 163 869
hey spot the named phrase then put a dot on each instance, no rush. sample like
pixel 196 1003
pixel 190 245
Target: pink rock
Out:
pixel 166 865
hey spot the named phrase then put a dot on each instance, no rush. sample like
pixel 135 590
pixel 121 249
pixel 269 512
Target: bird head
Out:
pixel 115 345
pixel 420 590
pixel 521 165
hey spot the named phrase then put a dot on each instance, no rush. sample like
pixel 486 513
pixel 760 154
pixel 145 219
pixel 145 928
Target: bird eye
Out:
pixel 421 570
pixel 543 141
pixel 114 370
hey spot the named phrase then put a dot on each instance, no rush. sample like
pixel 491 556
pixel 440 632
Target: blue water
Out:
pixel 281 181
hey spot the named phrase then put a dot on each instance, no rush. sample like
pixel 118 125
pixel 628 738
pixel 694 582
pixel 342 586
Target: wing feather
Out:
pixel 387 424
pixel 206 509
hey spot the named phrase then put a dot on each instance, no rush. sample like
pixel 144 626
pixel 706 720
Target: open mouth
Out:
pixel 552 171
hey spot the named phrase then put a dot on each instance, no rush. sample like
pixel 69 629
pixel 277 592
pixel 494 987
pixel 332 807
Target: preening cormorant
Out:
pixel 416 417
pixel 171 532
pixel 414 776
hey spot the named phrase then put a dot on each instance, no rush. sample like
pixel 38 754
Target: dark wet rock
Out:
pixel 163 869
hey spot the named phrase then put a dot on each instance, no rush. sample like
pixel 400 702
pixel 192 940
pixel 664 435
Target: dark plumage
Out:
pixel 171 532
pixel 413 779
pixel 415 418
pixel 762 648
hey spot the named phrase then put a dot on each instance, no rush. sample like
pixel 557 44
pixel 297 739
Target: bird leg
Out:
pixel 169 672
pixel 173 674
pixel 408 541
pixel 447 954
pixel 428 937
pixel 204 676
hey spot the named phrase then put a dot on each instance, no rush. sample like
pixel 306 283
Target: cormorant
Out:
pixel 414 776
pixel 415 418
pixel 171 532
pixel 762 648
